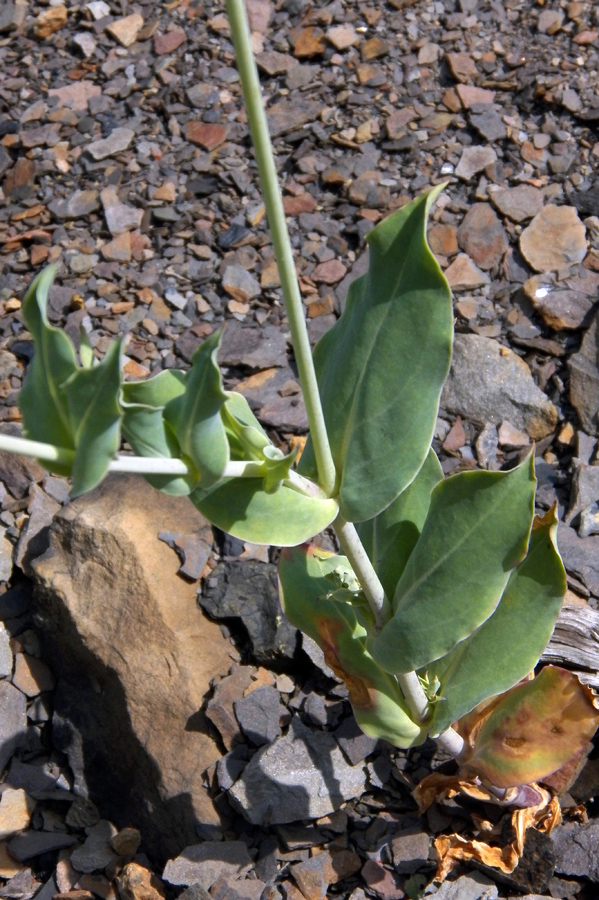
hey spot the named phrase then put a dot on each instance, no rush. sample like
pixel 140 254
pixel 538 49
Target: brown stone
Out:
pixel 49 21
pixel 398 121
pixel 169 42
pixel 464 275
pixel 19 181
pixel 462 66
pixel 518 203
pixel 124 632
pixel 303 202
pixel 118 249
pixel 260 12
pixel 135 882
pixel 76 96
pixel 563 305
pixel 342 36
pixel 554 240
pixel 208 135
pixel 329 272
pixel 309 42
pixel 374 48
pixel 470 95
pixel 126 30
pixel 481 235
pixel 16 807
pixel 442 239
pixel 32 676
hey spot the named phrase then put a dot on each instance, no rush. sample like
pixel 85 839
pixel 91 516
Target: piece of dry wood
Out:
pixel 575 643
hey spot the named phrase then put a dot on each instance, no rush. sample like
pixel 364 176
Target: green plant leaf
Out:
pixel 531 731
pixel 277 466
pixel 94 418
pixel 381 367
pixel 247 438
pixel 241 507
pixel 147 431
pixel 86 351
pixel 508 645
pixel 391 536
pixel 42 400
pixel 476 531
pixel 197 414
pixel 311 604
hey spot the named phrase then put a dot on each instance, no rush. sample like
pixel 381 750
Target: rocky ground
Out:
pixel 124 155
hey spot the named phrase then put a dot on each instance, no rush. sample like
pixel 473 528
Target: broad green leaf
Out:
pixel 148 432
pixel 94 418
pixel 199 427
pixel 508 645
pixel 381 368
pixel 42 400
pixel 247 438
pixel 311 604
pixel 476 531
pixel 242 507
pixel 532 731
pixel 391 536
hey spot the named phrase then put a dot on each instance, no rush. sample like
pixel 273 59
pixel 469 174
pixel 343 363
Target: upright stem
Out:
pixel 369 581
pixel 240 32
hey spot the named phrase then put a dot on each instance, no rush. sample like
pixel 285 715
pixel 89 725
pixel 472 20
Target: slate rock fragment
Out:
pixel 581 557
pixel 576 849
pixel 489 383
pixel 247 590
pixel 301 775
pixel 203 864
pixel 584 379
pixel 96 852
pixel 13 720
pixel 259 715
pixel 473 886
pixel 256 348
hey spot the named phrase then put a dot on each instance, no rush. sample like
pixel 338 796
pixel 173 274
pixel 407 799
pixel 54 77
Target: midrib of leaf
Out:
pixel 190 416
pixel 454 548
pixel 52 386
pixel 85 418
pixel 352 413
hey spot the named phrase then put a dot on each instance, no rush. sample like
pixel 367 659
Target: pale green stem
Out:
pixel 43 452
pixel 369 581
pixel 150 465
pixel 273 202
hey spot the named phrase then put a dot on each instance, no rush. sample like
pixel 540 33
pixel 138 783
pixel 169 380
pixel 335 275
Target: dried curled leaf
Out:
pixel 453 848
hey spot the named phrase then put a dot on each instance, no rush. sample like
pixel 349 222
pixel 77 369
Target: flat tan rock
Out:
pixel 125 30
pixel 126 639
pixel 554 240
pixel 16 807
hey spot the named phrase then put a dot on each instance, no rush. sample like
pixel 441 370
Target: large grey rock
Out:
pixel 134 657
pixel 489 383
pixel 577 849
pixel 13 721
pixel 6 659
pixel 580 556
pixel 474 886
pixel 96 851
pixel 584 379
pixel 247 590
pixel 205 863
pixel 302 775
